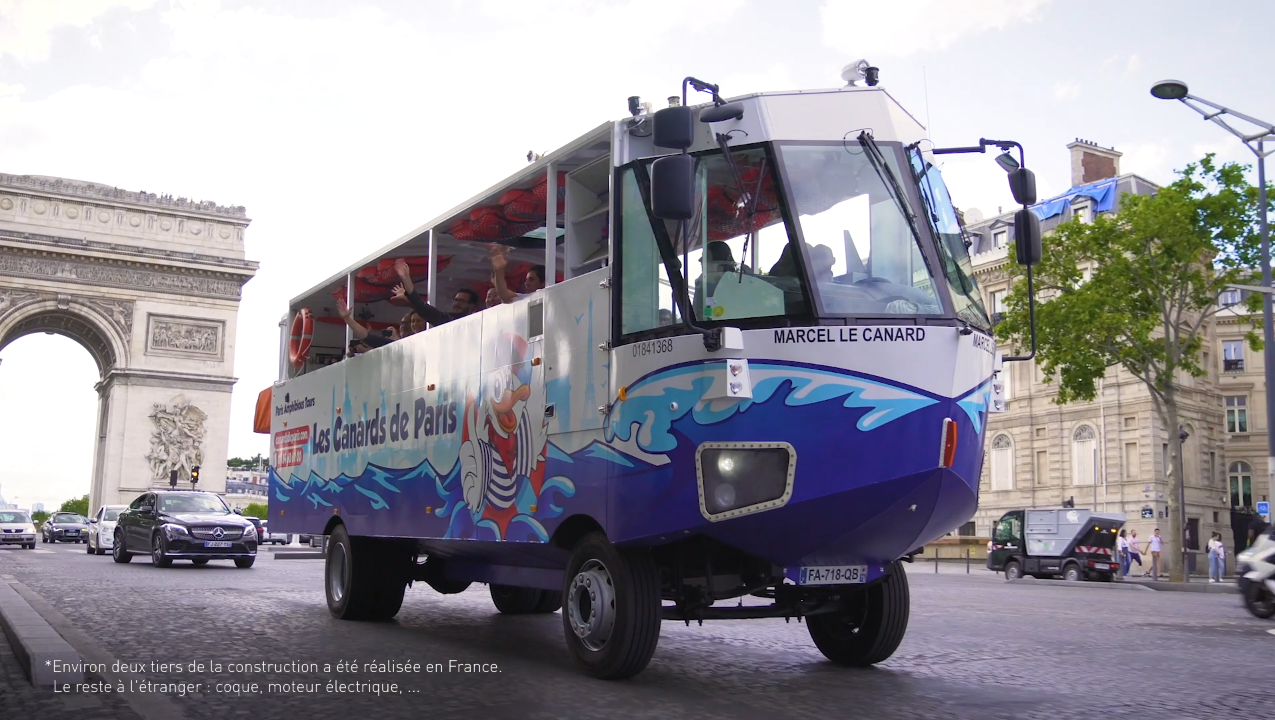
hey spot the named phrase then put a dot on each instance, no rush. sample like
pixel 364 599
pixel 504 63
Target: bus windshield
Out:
pixel 862 254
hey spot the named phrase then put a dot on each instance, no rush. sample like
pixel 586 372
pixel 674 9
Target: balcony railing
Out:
pixel 1233 365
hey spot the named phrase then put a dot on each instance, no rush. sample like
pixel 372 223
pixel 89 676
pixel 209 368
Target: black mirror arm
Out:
pixel 701 86
pixel 1031 320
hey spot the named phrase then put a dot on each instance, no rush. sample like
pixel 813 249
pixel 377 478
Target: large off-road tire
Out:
pixel 364 578
pixel 159 551
pixel 118 553
pixel 611 608
pixel 870 629
pixel 510 600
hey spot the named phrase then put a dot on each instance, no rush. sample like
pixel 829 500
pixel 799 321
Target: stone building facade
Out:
pixel 150 285
pixel 1112 454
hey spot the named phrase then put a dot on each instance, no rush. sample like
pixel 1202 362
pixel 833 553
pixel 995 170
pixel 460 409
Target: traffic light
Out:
pixel 172 478
pixel 194 475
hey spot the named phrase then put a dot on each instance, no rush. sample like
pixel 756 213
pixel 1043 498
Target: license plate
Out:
pixel 217 544
pixel 72 532
pixel 833 575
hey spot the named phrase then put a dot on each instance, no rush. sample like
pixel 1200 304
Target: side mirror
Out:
pixel 93 520
pixel 1022 183
pixel 674 128
pixel 673 187
pixel 718 113
pixel 1027 237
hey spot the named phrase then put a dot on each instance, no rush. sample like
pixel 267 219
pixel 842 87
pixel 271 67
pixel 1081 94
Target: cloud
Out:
pixel 1066 90
pixel 26 26
pixel 1133 65
pixel 902 27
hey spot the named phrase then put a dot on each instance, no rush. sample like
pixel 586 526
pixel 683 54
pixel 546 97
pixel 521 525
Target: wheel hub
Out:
pixel 591 605
pixel 338 570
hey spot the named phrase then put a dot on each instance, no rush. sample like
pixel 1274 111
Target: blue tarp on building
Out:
pixel 1102 192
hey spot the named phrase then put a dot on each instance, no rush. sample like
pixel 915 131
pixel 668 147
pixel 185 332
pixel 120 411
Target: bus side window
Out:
pixel 646 300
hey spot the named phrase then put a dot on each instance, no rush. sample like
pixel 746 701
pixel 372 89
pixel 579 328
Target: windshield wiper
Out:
pixel 889 180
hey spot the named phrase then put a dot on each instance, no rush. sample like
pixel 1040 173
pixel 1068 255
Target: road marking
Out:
pixel 43 552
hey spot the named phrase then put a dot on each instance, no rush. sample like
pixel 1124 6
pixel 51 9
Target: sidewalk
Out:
pixel 1198 584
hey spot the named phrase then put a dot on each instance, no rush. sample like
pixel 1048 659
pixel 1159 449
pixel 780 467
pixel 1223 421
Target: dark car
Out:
pixel 184 525
pixel 66 526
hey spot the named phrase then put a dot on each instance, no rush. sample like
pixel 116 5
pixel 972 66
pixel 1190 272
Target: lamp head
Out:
pixel 1169 90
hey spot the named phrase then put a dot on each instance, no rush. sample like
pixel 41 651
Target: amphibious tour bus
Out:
pixel 758 366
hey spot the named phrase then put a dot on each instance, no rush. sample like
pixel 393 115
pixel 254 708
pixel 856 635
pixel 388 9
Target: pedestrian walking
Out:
pixel 1217 558
pixel 1135 553
pixel 1122 548
pixel 1155 546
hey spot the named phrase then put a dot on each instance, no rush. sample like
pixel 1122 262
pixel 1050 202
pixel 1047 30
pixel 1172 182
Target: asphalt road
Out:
pixel 977 647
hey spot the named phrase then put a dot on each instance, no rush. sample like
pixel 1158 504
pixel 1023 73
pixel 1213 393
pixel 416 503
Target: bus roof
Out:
pixel 581 151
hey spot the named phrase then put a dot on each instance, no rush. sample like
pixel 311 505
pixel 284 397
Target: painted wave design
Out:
pixel 384 489
pixel 976 403
pixel 657 402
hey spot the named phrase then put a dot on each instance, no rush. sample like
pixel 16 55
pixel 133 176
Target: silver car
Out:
pixel 16 528
pixel 102 529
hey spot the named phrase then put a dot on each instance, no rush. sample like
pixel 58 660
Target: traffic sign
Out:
pixel 1263 508
pixel 1148 513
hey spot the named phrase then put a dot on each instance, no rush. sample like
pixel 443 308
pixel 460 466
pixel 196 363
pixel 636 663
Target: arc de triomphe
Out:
pixel 150 286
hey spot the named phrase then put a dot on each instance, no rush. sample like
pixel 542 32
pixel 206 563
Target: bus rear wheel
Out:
pixel 364 578
pixel 870 629
pixel 611 608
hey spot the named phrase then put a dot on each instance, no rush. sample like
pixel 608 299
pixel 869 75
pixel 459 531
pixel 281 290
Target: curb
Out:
pixel 299 555
pixel 35 643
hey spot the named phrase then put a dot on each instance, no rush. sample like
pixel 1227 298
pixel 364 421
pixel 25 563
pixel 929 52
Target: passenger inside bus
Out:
pixel 534 281
pixel 464 301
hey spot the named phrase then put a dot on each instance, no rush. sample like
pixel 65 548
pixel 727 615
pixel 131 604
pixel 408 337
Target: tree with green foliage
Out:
pixel 79 507
pixel 257 510
pixel 257 461
pixel 1158 268
pixel 38 517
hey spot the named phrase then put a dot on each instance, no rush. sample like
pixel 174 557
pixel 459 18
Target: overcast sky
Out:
pixel 343 124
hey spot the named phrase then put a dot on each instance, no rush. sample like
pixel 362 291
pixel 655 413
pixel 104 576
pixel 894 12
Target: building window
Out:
pixel 1229 297
pixel 1131 460
pixel 1241 481
pixel 998 301
pixel 1233 356
pixel 1082 211
pixel 999 238
pixel 1084 455
pixel 966 530
pixel 1005 377
pixel 1002 463
pixel 1236 414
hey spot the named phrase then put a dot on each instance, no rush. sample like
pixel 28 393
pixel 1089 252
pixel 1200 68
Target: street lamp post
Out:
pixel 1177 90
pixel 1182 436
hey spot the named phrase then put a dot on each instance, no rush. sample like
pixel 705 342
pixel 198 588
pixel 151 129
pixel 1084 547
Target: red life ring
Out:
pixel 302 333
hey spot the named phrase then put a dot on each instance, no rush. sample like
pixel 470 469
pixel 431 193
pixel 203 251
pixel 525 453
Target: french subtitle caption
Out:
pixel 343 677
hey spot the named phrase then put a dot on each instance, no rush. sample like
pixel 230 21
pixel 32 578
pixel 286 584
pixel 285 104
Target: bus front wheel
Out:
pixel 871 627
pixel 611 608
pixel 364 578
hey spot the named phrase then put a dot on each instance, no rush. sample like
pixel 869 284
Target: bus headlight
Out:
pixel 741 478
